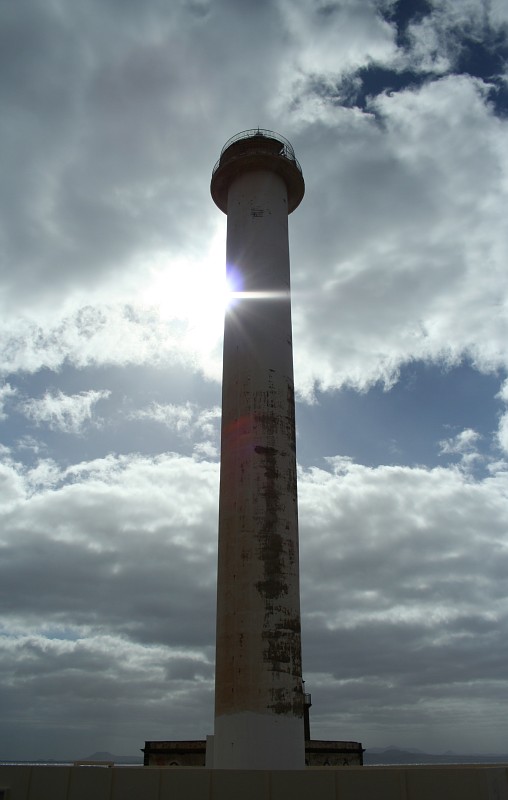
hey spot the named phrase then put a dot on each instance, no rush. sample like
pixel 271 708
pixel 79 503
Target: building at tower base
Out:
pixel 318 753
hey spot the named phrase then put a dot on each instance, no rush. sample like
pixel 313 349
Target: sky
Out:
pixel 112 259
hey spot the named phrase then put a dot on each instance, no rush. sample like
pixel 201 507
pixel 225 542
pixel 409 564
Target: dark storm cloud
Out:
pixel 122 607
pixel 60 686
pixel 411 592
pixel 111 578
pixel 79 557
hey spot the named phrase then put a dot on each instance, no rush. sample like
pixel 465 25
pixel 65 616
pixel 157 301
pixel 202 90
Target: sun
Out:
pixel 191 291
pixel 194 294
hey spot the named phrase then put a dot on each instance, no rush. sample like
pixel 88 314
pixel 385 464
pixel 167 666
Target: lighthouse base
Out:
pixel 258 741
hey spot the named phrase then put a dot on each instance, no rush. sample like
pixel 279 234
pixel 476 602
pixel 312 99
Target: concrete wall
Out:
pixel 469 782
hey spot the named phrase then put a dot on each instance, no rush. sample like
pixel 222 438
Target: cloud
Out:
pixel 80 536
pixel 189 421
pixel 502 432
pixel 185 419
pixel 464 444
pixel 67 413
pixel 108 576
pixel 326 41
pixel 103 135
pixel 120 335
pixel 6 391
pixel 113 256
pixel 398 241
pixel 403 221
pixel 412 263
pixel 438 41
pixel 93 679
pixel 176 417
pixel 403 598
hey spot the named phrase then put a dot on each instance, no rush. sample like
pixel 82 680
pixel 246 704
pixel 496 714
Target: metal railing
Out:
pixel 286 150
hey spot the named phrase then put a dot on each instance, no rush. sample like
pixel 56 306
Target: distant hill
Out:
pixel 401 755
pixel 372 756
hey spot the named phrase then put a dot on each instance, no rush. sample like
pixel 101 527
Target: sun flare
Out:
pixel 196 293
pixel 191 291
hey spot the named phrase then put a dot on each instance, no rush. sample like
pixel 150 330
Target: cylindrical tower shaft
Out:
pixel 258 692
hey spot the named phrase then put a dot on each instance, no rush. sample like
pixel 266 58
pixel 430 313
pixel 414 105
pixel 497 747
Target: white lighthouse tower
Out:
pixel 259 707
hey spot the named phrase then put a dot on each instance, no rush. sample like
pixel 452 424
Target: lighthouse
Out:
pixel 259 701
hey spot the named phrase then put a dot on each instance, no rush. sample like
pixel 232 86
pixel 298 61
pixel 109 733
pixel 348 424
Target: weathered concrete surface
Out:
pixel 468 782
pixel 258 694
pixel 258 739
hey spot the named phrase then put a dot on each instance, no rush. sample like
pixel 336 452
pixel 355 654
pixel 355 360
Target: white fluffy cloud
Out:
pixel 6 391
pixel 185 419
pixel 464 445
pixel 67 413
pixel 188 421
pixel 327 41
pixel 502 433
pixel 437 40
pixel 413 263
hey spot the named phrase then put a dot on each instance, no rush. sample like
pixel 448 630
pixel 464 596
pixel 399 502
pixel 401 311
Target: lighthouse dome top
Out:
pixel 256 149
